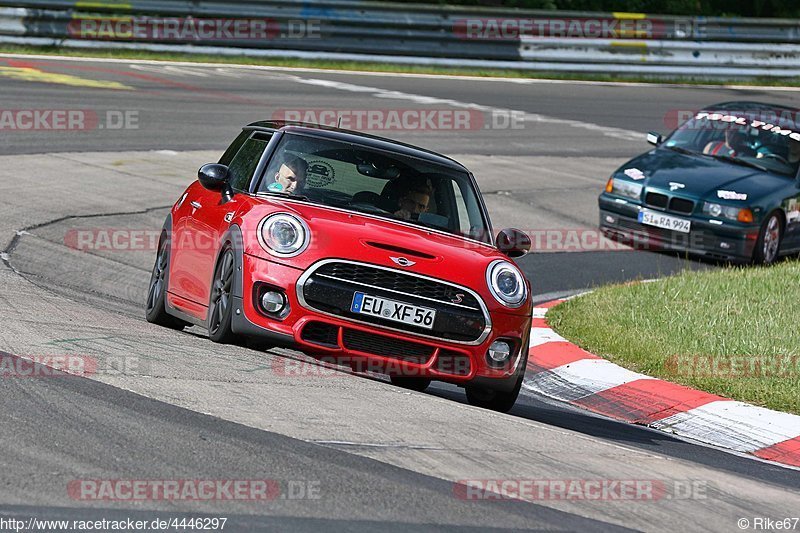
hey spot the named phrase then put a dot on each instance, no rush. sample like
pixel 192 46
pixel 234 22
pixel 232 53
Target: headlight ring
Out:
pixel 283 235
pixel 506 283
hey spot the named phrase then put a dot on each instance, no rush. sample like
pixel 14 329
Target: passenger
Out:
pixel 414 200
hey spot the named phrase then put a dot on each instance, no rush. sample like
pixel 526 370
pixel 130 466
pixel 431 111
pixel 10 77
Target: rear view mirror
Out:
pixel 654 138
pixel 513 242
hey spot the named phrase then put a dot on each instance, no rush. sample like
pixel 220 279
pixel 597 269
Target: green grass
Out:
pixel 377 67
pixel 732 332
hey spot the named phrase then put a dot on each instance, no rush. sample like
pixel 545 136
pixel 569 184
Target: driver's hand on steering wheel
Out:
pixel 405 214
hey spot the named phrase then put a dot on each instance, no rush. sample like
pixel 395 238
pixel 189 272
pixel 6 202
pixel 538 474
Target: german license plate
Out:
pixel 414 315
pixel 660 220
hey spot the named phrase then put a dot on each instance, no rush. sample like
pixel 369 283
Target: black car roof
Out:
pixel 356 137
pixel 743 106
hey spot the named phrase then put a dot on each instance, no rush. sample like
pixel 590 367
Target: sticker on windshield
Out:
pixel 634 173
pixel 731 195
pixel 320 174
pixel 742 121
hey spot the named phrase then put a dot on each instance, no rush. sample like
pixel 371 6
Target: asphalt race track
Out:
pixel 349 452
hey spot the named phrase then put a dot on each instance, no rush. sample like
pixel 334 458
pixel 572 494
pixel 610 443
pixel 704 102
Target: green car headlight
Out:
pixel 628 189
pixel 721 211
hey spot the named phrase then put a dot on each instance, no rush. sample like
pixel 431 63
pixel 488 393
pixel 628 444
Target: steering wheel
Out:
pixel 778 157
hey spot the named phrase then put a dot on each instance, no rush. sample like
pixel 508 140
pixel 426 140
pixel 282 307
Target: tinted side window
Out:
pixel 227 157
pixel 243 166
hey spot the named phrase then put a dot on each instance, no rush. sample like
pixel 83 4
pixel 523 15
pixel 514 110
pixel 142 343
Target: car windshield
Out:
pixel 738 138
pixel 376 182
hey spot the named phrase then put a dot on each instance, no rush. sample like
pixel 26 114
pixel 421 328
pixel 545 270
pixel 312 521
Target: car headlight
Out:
pixel 728 211
pixel 506 283
pixel 624 188
pixel 283 235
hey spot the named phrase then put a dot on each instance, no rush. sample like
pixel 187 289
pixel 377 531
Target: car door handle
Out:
pixel 196 204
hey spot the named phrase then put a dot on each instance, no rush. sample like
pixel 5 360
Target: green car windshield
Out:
pixel 737 138
pixel 376 182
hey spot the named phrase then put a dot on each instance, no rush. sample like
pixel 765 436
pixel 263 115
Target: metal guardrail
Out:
pixel 438 35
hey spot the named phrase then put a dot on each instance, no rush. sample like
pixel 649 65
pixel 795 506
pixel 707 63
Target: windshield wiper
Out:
pixel 737 161
pixel 682 150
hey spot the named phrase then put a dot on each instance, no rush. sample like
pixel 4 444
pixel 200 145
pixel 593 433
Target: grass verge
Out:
pixel 733 332
pixel 379 67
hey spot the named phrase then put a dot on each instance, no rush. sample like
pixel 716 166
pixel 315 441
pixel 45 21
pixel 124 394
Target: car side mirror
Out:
pixel 513 242
pixel 213 176
pixel 654 138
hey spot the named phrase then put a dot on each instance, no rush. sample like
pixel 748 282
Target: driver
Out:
pixel 414 200
pixel 734 145
pixel 290 176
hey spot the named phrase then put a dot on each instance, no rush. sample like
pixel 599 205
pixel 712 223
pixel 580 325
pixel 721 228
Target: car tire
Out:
pixel 155 306
pixel 496 400
pixel 220 306
pixel 415 384
pixel 770 235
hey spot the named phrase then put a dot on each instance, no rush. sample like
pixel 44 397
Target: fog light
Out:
pixel 273 302
pixel 499 352
pixel 610 219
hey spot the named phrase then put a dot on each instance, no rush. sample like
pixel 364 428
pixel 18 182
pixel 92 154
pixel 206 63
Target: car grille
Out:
pixel 450 362
pixel 327 335
pixel 674 203
pixel 681 205
pixel 330 286
pixel 656 199
pixel 386 346
pixel 397 282
pixel 322 334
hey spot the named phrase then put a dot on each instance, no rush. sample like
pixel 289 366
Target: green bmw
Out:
pixel 724 185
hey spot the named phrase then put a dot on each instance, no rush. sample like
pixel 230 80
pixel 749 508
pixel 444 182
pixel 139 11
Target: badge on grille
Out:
pixel 403 262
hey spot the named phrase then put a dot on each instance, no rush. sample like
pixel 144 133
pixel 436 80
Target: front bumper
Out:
pixel 726 241
pixel 373 347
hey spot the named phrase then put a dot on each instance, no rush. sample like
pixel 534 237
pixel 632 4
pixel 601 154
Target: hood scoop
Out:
pixel 399 250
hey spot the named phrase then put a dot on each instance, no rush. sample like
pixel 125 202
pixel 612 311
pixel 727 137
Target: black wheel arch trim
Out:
pixel 240 324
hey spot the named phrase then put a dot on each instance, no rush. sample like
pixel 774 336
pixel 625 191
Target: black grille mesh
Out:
pixel 681 205
pixel 386 346
pixel 397 281
pixel 451 362
pixel 656 199
pixel 321 333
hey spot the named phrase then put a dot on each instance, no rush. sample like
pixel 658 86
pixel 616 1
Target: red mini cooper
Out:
pixel 352 248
